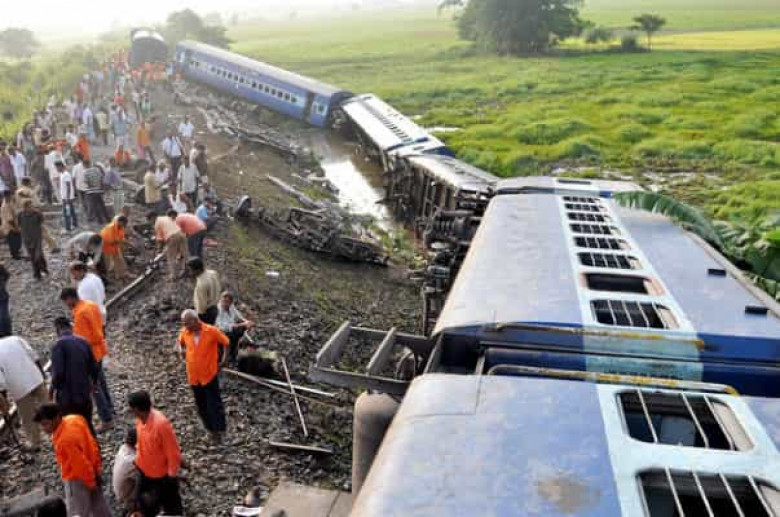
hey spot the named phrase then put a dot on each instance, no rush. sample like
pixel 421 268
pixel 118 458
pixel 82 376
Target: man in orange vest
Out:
pixel 199 344
pixel 88 323
pixel 78 457
pixel 113 235
pixel 158 459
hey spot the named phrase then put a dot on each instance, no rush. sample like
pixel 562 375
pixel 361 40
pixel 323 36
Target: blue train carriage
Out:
pixel 559 276
pixel 285 92
pixel 508 444
pixel 386 133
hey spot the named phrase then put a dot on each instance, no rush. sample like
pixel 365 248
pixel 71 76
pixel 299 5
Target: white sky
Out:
pixel 60 19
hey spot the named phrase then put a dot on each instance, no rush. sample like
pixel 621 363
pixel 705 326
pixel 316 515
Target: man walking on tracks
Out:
pixel 158 459
pixel 78 456
pixel 74 372
pixel 30 222
pixel 21 379
pixel 89 324
pixel 207 291
pixel 199 345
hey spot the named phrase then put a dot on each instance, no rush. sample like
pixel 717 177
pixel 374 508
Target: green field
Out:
pixel 704 100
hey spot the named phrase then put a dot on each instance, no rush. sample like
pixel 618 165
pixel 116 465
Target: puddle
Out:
pixel 359 182
pixel 441 129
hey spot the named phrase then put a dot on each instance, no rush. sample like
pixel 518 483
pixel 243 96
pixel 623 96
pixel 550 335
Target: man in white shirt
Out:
pixel 173 150
pixel 80 182
pixel 186 131
pixel 123 475
pixel 68 197
pixel 87 120
pixel 19 163
pixel 188 181
pixel 71 137
pixel 21 380
pixel 50 162
pixel 89 286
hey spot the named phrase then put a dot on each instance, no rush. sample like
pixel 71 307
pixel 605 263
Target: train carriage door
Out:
pixel 309 106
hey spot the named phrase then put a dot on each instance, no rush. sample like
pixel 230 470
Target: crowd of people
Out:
pixel 181 207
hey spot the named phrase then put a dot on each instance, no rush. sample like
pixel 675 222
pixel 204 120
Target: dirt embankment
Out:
pixel 297 298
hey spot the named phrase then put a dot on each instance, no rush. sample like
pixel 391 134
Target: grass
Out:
pixel 703 101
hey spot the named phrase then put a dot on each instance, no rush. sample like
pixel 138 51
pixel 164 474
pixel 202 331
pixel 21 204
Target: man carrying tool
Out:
pixel 78 456
pixel 199 345
pixel 158 459
pixel 207 291
pixel 113 235
pixel 74 372
pixel 21 380
pixel 89 324
pixel 169 235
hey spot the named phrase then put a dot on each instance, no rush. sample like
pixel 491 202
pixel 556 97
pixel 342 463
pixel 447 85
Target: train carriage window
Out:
pixel 595 229
pixel 587 217
pixel 605 243
pixel 580 199
pixel 584 207
pixel 608 260
pixel 670 493
pixel 629 313
pixel 621 283
pixel 684 419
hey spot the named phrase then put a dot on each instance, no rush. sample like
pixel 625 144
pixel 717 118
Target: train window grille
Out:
pixel 584 207
pixel 608 260
pixel 682 419
pixel 594 229
pixel 630 313
pixel 587 217
pixel 604 243
pixel 581 199
pixel 688 493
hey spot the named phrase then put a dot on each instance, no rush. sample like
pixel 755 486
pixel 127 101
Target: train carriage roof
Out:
pixel 291 78
pixel 527 266
pixel 465 445
pixel 387 127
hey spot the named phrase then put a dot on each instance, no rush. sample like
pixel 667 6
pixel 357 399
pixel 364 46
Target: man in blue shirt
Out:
pixel 204 213
pixel 74 372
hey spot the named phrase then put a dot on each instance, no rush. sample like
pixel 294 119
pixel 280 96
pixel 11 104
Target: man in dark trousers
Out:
pixel 199 344
pixel 6 326
pixel 158 459
pixel 74 372
pixel 10 225
pixel 30 221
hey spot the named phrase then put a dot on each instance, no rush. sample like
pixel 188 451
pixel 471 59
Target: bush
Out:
pixel 632 133
pixel 629 43
pixel 549 132
pixel 598 35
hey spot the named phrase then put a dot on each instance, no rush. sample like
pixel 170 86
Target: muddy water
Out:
pixel 359 182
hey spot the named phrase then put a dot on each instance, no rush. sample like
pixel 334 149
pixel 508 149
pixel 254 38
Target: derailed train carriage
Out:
pixel 147 46
pixel 589 360
pixel 290 94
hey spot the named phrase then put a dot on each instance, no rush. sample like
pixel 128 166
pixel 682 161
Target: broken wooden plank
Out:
pixel 301 448
pixel 295 399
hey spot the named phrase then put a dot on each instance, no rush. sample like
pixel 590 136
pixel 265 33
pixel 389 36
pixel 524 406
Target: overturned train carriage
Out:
pixel 285 92
pixel 570 316
pixel 147 46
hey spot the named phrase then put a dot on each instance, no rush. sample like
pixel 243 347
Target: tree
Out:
pixel 519 26
pixel 598 35
pixel 18 43
pixel 187 24
pixel 649 24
